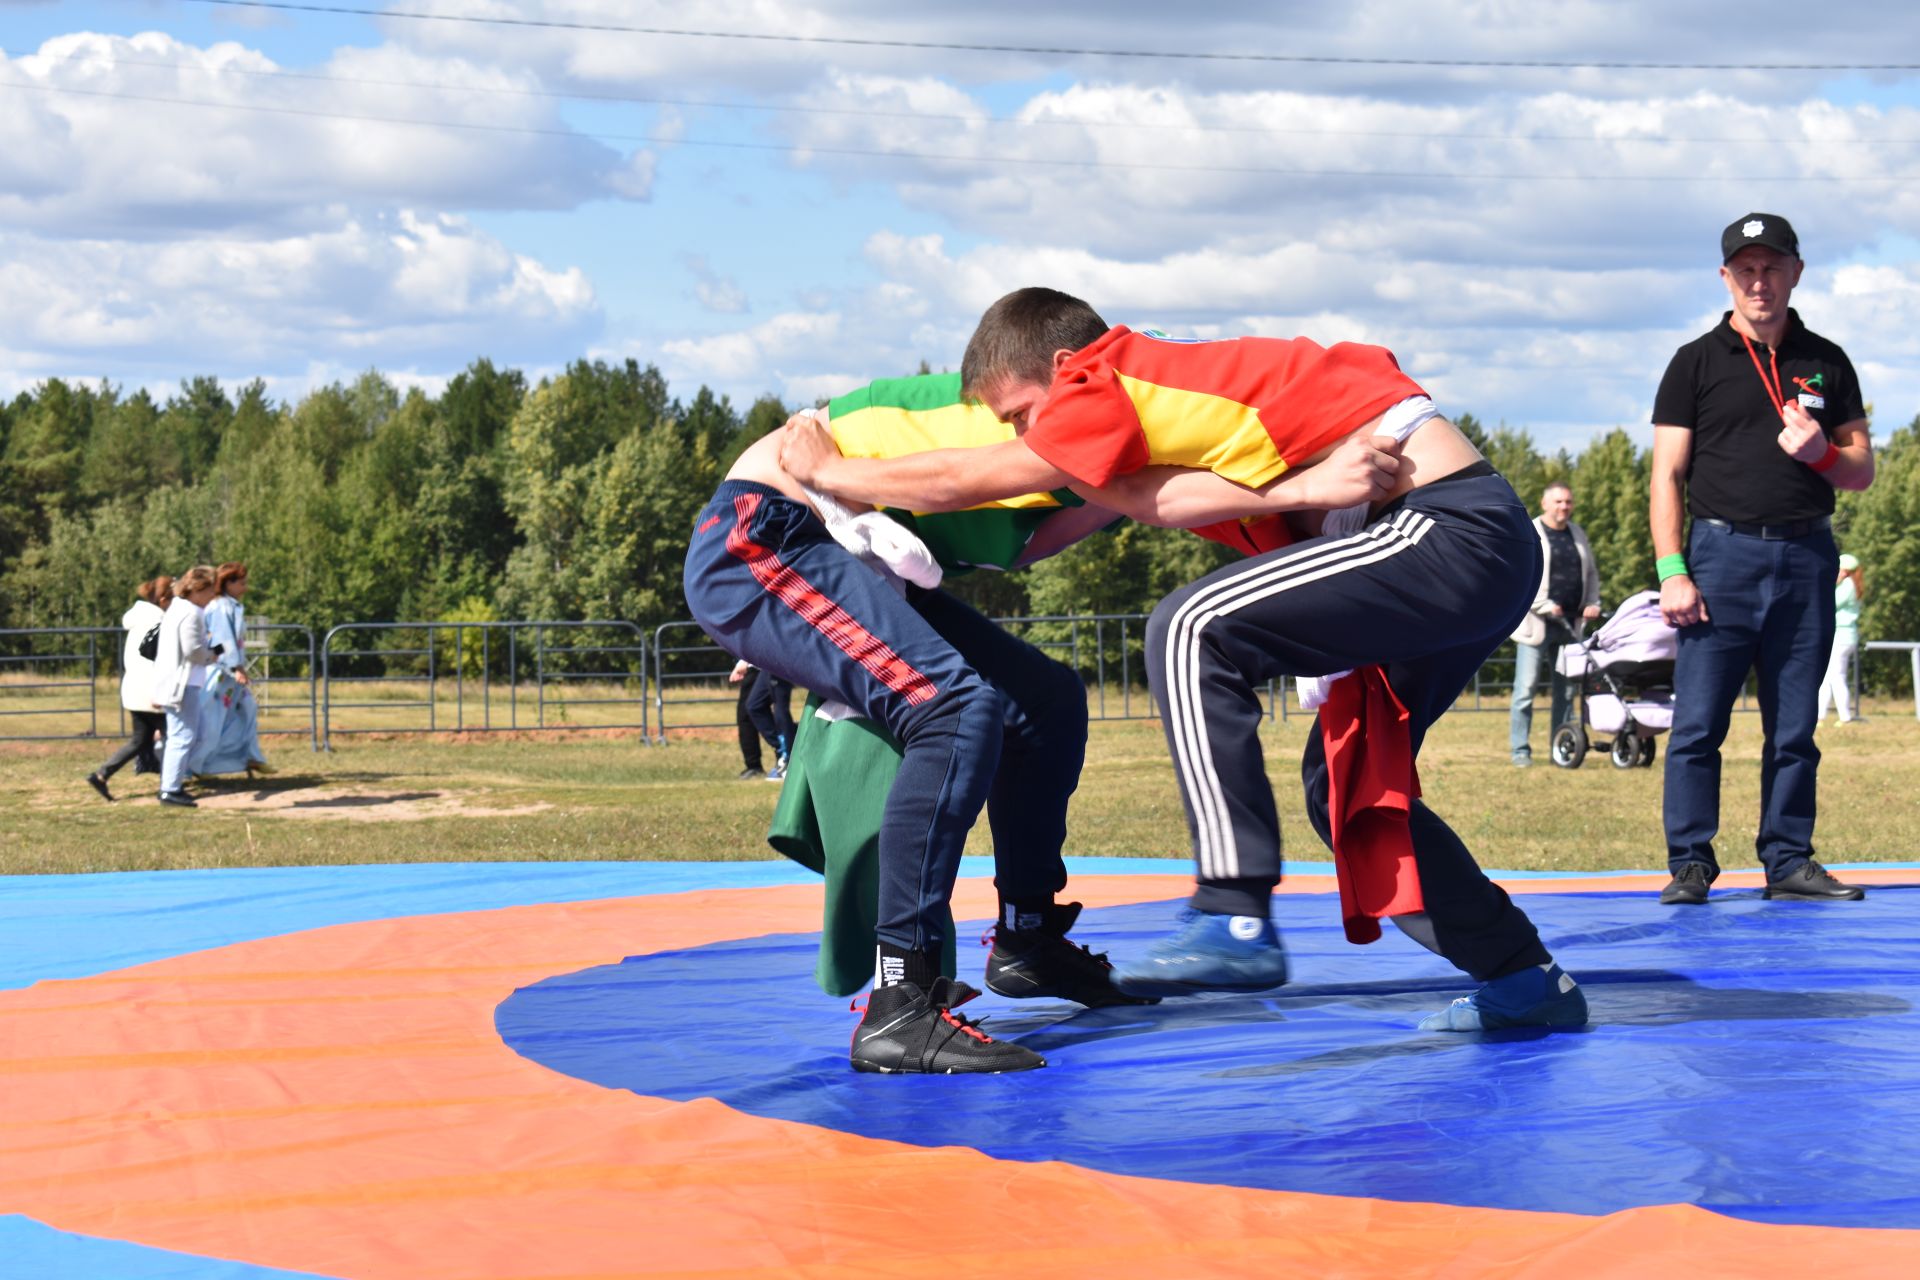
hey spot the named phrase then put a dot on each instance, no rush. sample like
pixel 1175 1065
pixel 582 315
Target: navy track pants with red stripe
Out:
pixel 769 584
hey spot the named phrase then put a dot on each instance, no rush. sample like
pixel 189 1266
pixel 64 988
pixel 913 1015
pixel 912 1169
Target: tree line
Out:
pixel 573 498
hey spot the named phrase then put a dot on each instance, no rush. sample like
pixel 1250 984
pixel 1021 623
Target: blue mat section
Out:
pixel 1754 1058
pixel 32 1251
pixel 75 926
pixel 78 925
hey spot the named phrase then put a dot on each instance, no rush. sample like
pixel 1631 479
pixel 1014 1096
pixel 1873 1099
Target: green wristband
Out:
pixel 1672 566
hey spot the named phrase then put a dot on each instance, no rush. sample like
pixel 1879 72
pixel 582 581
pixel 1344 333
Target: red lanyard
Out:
pixel 1773 357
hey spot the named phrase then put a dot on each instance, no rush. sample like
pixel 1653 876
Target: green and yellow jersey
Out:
pixel 894 417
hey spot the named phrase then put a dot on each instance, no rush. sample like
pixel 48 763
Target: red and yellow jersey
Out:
pixel 1243 408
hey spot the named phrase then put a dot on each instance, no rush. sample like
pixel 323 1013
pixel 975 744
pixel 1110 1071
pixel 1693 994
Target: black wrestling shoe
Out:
pixel 1812 883
pixel 1037 964
pixel 914 1032
pixel 1688 888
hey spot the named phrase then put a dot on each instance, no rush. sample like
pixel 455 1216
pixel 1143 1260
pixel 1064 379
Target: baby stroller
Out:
pixel 1623 677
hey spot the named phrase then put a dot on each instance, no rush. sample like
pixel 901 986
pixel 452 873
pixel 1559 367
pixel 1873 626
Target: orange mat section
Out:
pixel 337 1102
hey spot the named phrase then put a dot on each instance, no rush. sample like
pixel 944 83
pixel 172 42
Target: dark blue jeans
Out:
pixel 982 718
pixel 1769 611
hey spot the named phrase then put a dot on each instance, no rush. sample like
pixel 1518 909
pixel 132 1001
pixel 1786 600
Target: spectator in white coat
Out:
pixel 136 684
pixel 1568 597
pixel 180 677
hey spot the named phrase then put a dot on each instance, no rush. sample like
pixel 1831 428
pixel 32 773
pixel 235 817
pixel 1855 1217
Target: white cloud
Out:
pixel 717 293
pixel 101 146
pixel 398 292
pixel 731 357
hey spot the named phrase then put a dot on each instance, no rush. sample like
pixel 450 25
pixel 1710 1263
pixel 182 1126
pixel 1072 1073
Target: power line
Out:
pixel 1054 50
pixel 936 157
pixel 581 95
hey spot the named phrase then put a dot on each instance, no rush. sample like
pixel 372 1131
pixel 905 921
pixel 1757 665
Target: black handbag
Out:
pixel 150 643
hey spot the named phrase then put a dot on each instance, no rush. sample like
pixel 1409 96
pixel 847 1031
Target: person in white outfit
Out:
pixel 180 677
pixel 1837 689
pixel 136 684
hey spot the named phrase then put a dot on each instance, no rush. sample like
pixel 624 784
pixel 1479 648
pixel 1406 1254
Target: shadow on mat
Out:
pixel 1617 998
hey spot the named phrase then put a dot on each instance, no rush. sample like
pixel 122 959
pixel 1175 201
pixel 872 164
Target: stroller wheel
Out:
pixel 1569 746
pixel 1625 752
pixel 1646 752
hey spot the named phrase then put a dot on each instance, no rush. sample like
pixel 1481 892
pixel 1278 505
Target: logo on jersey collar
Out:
pixel 1752 227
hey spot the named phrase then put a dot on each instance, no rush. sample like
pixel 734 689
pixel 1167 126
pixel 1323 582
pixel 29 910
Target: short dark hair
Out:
pixel 1018 335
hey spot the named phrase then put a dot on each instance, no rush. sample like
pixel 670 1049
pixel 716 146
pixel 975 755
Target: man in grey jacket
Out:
pixel 1569 595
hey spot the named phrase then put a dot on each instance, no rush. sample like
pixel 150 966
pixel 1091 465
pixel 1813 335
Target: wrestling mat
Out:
pixel 598 1070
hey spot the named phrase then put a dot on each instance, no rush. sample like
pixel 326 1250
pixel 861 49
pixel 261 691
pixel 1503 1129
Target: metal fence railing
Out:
pixel 1107 650
pixel 476 677
pixel 64 682
pixel 1910 647
pixel 480 677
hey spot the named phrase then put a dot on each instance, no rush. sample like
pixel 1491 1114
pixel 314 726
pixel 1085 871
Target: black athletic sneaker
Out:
pixel 1812 883
pixel 1688 888
pixel 910 1031
pixel 99 784
pixel 1035 964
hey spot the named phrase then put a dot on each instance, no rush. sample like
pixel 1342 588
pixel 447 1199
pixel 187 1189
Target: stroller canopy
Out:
pixel 1635 634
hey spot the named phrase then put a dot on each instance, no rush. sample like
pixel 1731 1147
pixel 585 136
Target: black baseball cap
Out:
pixel 1768 229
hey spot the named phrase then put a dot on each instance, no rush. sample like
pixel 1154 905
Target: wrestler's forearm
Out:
pixel 1184 497
pixel 1062 529
pixel 940 479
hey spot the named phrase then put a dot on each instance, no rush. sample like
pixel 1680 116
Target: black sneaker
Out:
pixel 1812 883
pixel 1035 964
pixel 180 798
pixel 749 773
pixel 99 784
pixel 910 1031
pixel 1688 888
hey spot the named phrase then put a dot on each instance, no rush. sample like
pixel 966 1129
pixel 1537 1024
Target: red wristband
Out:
pixel 1827 459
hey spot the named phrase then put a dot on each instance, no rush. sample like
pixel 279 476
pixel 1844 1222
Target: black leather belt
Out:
pixel 1772 532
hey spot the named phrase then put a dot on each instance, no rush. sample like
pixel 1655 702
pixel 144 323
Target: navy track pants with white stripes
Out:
pixel 1426 591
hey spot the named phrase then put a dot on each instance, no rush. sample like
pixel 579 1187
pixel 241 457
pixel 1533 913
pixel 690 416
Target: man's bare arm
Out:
pixel 1680 600
pixel 938 480
pixel 1360 470
pixel 1062 529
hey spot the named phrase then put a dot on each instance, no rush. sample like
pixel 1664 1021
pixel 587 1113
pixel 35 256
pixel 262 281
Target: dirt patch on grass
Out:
pixel 363 806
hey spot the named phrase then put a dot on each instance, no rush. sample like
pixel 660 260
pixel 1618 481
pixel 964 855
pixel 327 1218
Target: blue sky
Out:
pixel 1532 242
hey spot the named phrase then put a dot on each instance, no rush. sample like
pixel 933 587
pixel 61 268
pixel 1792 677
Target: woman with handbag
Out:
pixel 180 663
pixel 142 621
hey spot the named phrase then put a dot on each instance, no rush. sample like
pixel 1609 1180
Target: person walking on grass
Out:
pixel 180 677
pixel 136 684
pixel 1755 425
pixel 228 735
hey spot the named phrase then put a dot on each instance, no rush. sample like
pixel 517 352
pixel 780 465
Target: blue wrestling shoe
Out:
pixel 1537 996
pixel 1209 953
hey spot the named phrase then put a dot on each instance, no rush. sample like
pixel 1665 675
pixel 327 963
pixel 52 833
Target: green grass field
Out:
pixel 608 795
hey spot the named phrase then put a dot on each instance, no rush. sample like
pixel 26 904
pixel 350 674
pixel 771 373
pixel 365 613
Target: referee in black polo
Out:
pixel 1757 422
